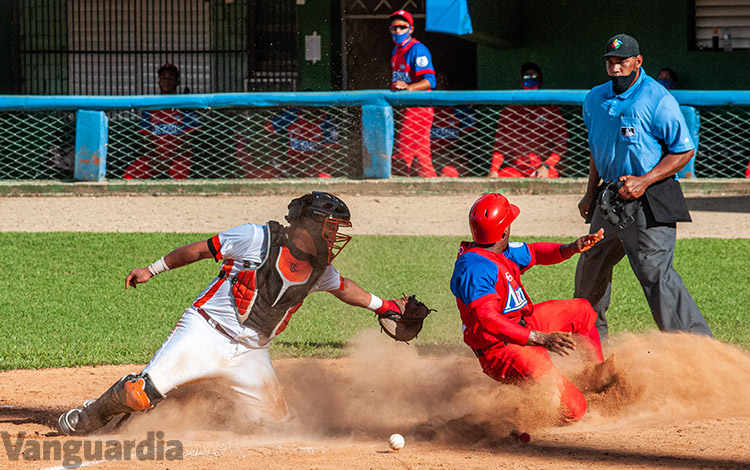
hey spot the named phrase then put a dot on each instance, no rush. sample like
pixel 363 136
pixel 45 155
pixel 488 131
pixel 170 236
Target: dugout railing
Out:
pixel 333 134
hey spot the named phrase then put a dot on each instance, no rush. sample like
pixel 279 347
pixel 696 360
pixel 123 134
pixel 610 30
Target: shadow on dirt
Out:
pixel 734 204
pixel 29 415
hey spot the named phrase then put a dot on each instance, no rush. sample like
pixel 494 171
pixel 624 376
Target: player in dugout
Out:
pixel 530 140
pixel 167 134
pixel 412 68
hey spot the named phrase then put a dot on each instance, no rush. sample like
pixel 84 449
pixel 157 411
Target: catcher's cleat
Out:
pixel 68 421
pixel 134 392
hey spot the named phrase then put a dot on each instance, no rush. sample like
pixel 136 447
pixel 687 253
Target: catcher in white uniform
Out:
pixel 266 273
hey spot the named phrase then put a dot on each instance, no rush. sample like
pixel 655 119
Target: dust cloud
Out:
pixel 382 387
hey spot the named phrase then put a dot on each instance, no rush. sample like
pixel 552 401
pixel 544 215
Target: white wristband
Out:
pixel 375 302
pixel 158 267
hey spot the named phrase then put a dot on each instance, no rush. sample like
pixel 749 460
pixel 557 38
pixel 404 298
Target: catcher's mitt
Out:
pixel 406 324
pixel 614 209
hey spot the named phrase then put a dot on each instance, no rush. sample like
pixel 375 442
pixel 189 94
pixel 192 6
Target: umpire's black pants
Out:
pixel 649 247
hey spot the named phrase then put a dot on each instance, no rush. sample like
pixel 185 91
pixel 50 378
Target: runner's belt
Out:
pixel 480 352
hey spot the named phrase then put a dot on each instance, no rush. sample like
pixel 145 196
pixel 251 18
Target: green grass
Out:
pixel 64 301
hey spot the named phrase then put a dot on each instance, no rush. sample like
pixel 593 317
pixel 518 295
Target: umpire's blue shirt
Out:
pixel 629 133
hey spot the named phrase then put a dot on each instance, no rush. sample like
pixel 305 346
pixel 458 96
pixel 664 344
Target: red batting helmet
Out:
pixel 490 215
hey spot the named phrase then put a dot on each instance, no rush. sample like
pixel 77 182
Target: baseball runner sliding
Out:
pixel 510 335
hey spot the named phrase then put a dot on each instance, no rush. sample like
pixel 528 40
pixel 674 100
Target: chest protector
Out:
pixel 266 297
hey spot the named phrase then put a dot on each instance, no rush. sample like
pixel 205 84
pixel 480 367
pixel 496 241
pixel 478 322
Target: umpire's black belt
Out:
pixel 480 352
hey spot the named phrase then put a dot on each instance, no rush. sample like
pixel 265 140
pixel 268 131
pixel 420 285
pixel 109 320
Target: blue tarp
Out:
pixel 448 16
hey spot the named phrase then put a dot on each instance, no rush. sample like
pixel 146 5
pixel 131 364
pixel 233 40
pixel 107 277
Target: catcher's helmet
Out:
pixel 325 212
pixel 490 215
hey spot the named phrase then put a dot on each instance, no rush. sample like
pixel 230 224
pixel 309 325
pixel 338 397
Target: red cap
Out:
pixel 490 215
pixel 403 14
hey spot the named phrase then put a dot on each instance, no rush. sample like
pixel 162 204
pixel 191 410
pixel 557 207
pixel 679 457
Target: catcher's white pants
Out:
pixel 195 351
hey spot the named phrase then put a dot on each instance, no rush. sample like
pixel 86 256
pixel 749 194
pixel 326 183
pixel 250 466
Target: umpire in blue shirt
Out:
pixel 639 141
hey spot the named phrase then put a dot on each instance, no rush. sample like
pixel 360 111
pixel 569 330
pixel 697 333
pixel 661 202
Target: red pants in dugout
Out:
pixel 511 363
pixel 413 140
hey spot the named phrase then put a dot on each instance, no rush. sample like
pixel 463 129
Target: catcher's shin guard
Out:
pixel 134 392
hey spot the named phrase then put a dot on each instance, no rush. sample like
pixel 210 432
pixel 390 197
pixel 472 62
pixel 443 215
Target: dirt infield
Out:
pixel 678 402
pixel 721 216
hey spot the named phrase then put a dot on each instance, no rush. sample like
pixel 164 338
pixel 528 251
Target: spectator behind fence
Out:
pixel 61 162
pixel 668 78
pixel 295 143
pixel 448 135
pixel 530 139
pixel 167 135
pixel 412 69
pixel 635 152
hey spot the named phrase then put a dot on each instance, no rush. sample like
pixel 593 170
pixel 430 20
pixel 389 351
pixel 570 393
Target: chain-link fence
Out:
pixel 724 147
pixel 37 145
pixel 490 140
pixel 298 142
pixel 312 142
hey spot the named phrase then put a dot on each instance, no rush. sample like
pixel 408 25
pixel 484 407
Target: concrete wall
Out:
pixel 567 38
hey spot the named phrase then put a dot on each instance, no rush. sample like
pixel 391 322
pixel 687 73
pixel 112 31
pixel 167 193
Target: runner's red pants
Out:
pixel 513 363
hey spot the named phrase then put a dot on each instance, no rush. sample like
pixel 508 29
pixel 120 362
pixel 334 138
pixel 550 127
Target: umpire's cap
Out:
pixel 490 215
pixel 622 45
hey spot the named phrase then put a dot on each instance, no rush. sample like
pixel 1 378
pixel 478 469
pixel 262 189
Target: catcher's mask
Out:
pixel 614 209
pixel 322 213
pixel 490 215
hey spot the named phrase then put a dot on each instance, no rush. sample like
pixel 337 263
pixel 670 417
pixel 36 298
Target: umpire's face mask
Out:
pixel 620 83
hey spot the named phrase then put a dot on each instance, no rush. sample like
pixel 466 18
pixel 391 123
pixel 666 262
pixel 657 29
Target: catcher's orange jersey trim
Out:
pixel 215 246
pixel 227 268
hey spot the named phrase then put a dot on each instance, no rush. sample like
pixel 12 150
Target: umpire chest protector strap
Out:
pixel 266 297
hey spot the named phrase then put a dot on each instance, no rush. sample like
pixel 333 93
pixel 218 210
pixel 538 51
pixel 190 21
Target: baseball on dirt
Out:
pixel 396 442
